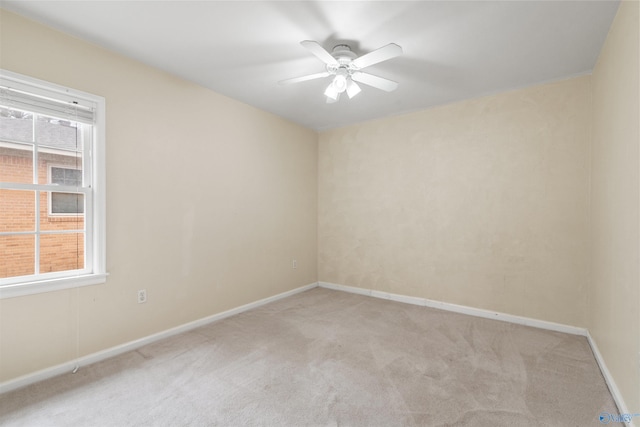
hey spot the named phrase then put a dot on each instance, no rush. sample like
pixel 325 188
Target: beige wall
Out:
pixel 482 203
pixel 208 200
pixel 614 297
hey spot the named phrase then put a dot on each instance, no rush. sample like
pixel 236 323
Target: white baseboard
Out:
pixel 132 345
pixel 520 320
pixel 613 388
pixel 478 312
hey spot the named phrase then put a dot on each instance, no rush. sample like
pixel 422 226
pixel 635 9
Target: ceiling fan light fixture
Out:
pixel 331 91
pixel 340 80
pixel 352 88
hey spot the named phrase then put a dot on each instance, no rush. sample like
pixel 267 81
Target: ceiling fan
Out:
pixel 346 66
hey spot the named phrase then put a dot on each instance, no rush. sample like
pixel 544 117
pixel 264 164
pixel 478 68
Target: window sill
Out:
pixel 40 286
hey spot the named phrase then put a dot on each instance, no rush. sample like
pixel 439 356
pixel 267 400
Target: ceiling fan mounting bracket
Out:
pixel 343 50
pixel 343 54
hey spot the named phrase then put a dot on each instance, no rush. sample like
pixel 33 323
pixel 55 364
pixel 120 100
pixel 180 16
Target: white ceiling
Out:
pixel 453 50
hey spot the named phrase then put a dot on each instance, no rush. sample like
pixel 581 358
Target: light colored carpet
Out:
pixel 328 358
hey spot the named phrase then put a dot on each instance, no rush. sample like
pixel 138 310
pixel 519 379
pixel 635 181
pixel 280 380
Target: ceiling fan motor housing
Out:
pixel 344 55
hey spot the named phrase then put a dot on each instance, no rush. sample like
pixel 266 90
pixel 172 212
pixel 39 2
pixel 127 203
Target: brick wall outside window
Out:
pixel 58 252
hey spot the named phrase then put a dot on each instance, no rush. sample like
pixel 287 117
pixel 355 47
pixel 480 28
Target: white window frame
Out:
pixel 95 194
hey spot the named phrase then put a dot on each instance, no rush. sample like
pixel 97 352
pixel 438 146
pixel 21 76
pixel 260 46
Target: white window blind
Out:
pixel 45 101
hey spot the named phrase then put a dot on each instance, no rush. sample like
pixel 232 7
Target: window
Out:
pixel 52 187
pixel 65 203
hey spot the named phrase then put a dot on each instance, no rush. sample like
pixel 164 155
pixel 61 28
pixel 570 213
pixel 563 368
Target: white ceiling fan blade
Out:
pixel 385 52
pixel 319 51
pixel 375 81
pixel 304 78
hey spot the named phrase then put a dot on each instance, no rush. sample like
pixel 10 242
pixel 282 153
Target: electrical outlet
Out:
pixel 294 263
pixel 142 296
